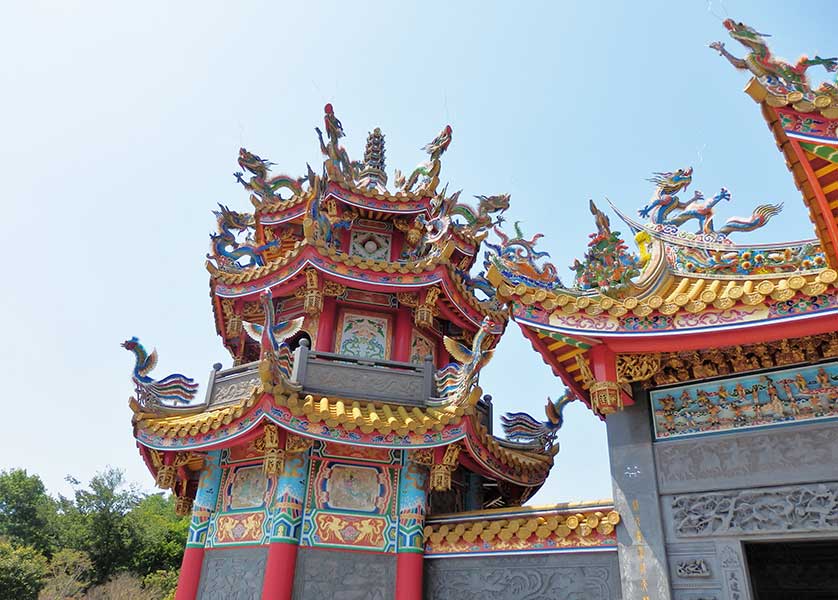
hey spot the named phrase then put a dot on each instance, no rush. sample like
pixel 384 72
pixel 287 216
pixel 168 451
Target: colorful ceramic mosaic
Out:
pixel 413 480
pixel 773 398
pixel 287 506
pixel 364 336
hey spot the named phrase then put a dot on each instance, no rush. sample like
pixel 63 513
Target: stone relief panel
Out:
pixel 779 397
pixel 786 509
pixel 560 576
pixel 344 575
pixel 775 457
pixel 694 570
pixel 233 574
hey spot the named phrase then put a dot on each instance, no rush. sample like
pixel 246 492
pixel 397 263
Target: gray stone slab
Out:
pixel 235 573
pixel 344 575
pixel 557 576
pixel 785 455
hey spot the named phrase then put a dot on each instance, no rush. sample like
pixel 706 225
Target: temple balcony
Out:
pixel 337 376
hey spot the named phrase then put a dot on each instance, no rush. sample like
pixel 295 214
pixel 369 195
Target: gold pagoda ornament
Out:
pixel 606 398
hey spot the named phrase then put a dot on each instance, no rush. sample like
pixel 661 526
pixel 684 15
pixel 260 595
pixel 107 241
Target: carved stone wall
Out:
pixel 235 573
pixel 346 575
pixel 800 454
pixel 560 576
pixel 776 510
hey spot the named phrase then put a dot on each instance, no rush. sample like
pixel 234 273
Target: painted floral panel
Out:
pixel 364 336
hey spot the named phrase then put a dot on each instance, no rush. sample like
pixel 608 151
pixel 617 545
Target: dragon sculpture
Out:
pixel 665 199
pixel 458 378
pixel 263 188
pixel 537 436
pixel 275 355
pixel 151 394
pixel 227 251
pixel 780 77
pixel 478 222
pixel 338 166
pixel 516 258
pixel 429 169
pixel 666 209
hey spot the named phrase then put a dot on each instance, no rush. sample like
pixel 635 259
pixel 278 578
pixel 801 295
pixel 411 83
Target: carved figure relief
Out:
pixel 805 393
pixel 692 568
pixel 784 509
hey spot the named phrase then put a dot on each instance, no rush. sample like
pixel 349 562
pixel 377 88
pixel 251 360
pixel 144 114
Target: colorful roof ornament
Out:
pixel 538 436
pixel 804 122
pixel 786 83
pixel 153 395
pixel 227 251
pixel 667 213
pixel 607 266
pixel 429 169
pixel 517 259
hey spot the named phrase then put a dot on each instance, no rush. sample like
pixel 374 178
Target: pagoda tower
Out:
pixel 353 411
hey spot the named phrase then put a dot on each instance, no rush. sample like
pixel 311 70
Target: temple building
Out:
pixel 349 451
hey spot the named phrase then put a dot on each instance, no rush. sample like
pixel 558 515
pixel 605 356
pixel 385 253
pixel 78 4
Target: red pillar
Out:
pixel 190 574
pixel 279 571
pixel 409 575
pixel 326 328
pixel 404 331
pixel 604 367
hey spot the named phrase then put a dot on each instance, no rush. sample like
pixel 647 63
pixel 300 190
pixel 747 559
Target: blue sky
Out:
pixel 120 125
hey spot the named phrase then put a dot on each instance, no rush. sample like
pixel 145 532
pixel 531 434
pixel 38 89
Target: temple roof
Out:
pixel 298 223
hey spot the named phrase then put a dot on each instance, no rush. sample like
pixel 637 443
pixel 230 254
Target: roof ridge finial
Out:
pixel 373 174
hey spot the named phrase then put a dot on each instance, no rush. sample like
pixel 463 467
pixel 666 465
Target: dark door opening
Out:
pixel 793 570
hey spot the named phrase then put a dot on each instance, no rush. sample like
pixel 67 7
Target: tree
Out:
pixel 22 571
pixel 70 572
pixel 26 510
pixel 158 534
pixel 101 512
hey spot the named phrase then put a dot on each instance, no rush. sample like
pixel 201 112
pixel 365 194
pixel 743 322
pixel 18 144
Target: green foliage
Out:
pixel 22 571
pixel 70 572
pixel 101 511
pixel 162 584
pixel 159 535
pixel 106 541
pixel 25 510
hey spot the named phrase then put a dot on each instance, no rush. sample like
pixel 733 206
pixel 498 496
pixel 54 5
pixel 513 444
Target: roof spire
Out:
pixel 373 174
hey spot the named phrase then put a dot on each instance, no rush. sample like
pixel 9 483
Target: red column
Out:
pixel 604 367
pixel 190 574
pixel 404 331
pixel 409 575
pixel 326 328
pixel 279 571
